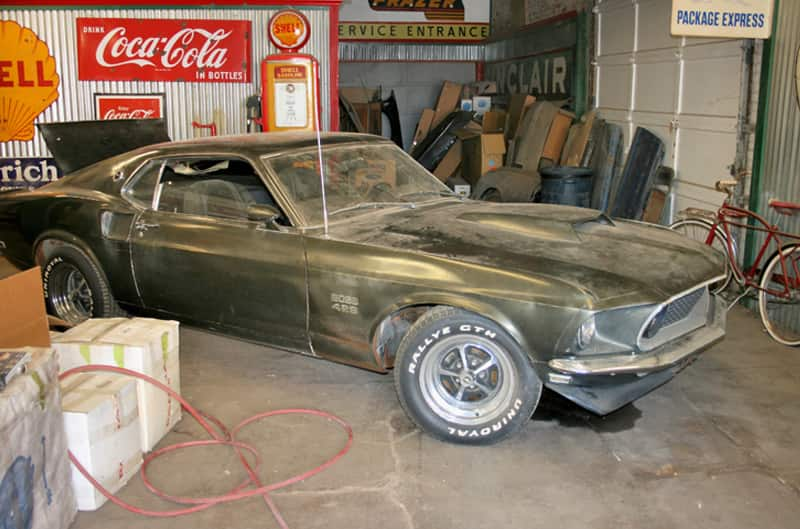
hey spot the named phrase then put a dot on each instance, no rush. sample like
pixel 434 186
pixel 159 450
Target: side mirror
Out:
pixel 263 213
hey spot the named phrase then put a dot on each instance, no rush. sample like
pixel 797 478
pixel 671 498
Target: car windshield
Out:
pixel 358 178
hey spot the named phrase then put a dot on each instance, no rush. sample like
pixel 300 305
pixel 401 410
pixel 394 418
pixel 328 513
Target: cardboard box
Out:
pixel 557 135
pixel 450 163
pixel 577 139
pixel 494 121
pixel 144 345
pixel 423 126
pixel 517 106
pixel 482 153
pixel 26 324
pixel 449 99
pixel 655 206
pixel 366 103
pixel 481 104
pixel 101 421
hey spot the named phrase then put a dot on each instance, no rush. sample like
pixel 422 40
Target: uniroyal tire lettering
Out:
pixel 48 269
pixel 486 430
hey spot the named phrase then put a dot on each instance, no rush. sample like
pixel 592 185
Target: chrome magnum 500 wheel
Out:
pixel 462 379
pixel 74 287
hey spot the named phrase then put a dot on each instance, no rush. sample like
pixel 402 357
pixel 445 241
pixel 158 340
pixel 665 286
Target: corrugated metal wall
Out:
pixel 780 175
pixel 185 101
pixel 394 51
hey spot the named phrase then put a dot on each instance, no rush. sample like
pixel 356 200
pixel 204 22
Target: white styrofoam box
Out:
pixel 144 345
pixel 101 420
pixel 33 445
pixel 481 104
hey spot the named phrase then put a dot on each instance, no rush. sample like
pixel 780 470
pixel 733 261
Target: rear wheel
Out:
pixel 779 297
pixel 75 288
pixel 698 230
pixel 463 379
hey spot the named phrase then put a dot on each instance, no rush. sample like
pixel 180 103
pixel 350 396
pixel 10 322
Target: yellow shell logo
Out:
pixel 28 81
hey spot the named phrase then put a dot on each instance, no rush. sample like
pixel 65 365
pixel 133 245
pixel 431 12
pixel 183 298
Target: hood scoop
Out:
pixel 529 225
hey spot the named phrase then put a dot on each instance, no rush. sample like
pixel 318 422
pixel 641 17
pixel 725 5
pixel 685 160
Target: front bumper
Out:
pixel 605 383
pixel 660 358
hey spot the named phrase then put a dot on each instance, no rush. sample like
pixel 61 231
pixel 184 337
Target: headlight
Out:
pixel 586 333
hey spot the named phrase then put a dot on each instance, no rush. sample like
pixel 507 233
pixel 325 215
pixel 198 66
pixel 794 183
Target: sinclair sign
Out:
pixel 130 49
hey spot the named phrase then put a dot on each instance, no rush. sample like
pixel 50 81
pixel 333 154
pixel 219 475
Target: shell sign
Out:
pixel 289 30
pixel 28 81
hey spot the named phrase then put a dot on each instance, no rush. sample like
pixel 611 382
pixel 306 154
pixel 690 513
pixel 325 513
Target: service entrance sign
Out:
pixel 736 19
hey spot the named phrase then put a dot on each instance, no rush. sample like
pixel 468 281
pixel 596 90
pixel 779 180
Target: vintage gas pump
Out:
pixel 289 81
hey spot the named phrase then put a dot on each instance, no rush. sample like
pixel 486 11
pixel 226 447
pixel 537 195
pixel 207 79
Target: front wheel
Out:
pixel 779 297
pixel 461 378
pixel 698 230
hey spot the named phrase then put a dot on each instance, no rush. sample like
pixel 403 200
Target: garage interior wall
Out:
pixel 184 101
pixel 416 85
pixel 687 91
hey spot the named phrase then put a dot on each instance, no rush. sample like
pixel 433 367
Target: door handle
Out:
pixel 144 226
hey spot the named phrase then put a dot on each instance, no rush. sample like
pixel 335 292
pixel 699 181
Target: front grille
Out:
pixel 681 307
pixel 678 317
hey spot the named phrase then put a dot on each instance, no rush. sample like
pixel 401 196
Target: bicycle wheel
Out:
pixel 697 230
pixel 779 309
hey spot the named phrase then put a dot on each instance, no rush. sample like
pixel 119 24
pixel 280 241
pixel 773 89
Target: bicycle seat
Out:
pixel 726 186
pixel 784 208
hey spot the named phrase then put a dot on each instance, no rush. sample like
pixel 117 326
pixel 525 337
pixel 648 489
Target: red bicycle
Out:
pixel 777 283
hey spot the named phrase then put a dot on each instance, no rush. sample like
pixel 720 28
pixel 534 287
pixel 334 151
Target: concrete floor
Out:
pixel 714 448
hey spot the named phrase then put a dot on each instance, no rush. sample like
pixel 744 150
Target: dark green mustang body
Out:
pixel 605 310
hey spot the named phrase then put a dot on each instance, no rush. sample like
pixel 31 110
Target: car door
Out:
pixel 195 254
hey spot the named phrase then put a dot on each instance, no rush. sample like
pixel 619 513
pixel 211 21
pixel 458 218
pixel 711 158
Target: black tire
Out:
pixel 448 405
pixel 779 311
pixel 75 288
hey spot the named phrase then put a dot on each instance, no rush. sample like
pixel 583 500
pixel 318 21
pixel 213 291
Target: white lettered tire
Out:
pixel 461 378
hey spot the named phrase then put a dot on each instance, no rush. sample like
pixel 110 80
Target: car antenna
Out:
pixel 321 176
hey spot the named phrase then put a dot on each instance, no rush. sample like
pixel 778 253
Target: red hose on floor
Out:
pixel 223 438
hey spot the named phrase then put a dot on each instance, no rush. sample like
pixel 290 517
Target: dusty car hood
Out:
pixel 616 260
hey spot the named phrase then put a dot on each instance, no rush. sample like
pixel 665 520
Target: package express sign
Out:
pixel 128 49
pixel 738 19
pixel 415 20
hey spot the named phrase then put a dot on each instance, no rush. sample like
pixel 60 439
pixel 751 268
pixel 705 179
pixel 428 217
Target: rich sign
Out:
pixel 141 106
pixel 25 173
pixel 128 49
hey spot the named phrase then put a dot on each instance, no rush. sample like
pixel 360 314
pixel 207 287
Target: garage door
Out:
pixel 685 90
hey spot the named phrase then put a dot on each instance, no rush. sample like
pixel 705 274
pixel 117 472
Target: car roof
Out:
pixel 258 144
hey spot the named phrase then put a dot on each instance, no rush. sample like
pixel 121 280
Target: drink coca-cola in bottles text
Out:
pixel 126 49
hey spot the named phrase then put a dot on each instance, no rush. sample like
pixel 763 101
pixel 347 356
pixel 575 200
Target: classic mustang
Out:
pixel 475 305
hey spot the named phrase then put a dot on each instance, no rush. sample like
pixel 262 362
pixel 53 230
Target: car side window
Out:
pixel 142 188
pixel 211 187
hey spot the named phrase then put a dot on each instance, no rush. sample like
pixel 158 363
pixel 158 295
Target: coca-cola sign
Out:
pixel 134 106
pixel 130 49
